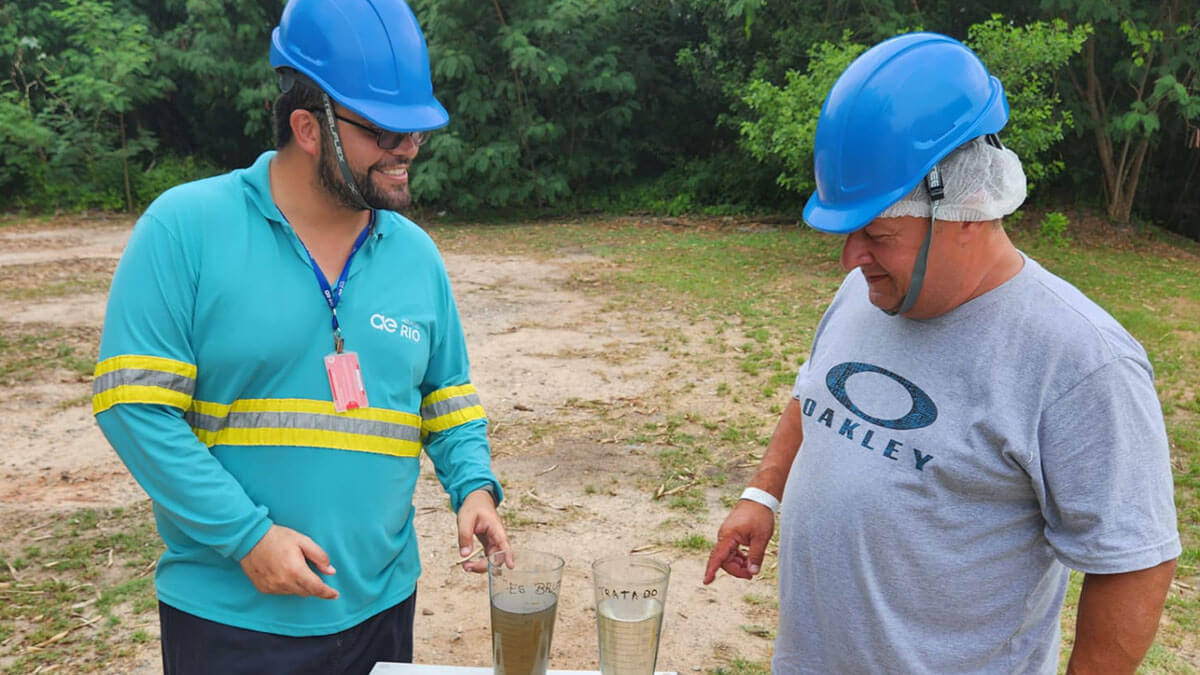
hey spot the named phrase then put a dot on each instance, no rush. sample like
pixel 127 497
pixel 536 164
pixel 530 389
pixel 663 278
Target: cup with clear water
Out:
pixel 631 592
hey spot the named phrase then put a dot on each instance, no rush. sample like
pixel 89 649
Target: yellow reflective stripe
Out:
pixel 305 423
pixel 134 393
pixel 145 363
pixel 453 419
pixel 449 407
pixel 448 392
pixel 310 438
pixel 131 378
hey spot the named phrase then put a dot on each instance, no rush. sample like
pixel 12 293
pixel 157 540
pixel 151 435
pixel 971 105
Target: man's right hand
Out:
pixel 750 525
pixel 278 564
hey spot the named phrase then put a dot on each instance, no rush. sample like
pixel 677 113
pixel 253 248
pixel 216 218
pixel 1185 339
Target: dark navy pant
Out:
pixel 195 646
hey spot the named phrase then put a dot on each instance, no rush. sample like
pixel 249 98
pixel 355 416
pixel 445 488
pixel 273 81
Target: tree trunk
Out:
pixel 523 119
pixel 1090 92
pixel 125 163
pixel 1120 172
pixel 1121 207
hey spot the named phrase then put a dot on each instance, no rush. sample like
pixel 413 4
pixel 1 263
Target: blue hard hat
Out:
pixel 368 55
pixel 895 112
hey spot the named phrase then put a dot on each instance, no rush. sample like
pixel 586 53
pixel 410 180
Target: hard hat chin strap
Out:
pixel 936 189
pixel 331 121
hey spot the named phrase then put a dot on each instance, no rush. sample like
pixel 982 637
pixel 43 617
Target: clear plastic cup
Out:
pixel 631 592
pixel 524 601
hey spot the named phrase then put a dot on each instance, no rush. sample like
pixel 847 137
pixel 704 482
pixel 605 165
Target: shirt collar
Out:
pixel 256 181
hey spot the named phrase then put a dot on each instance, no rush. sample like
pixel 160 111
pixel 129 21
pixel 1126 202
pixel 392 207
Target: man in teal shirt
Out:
pixel 279 346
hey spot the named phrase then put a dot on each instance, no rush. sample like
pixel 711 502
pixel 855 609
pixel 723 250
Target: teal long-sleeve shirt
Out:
pixel 211 387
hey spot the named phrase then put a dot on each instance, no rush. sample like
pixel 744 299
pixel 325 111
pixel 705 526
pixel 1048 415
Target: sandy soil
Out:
pixel 556 372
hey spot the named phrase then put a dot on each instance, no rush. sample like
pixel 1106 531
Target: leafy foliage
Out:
pixel 787 116
pixel 1053 228
pixel 1137 79
pixel 688 105
pixel 1026 59
pixel 63 111
pixel 540 99
pixel 215 51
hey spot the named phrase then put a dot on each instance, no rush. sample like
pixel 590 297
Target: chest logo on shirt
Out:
pixel 922 413
pixel 404 328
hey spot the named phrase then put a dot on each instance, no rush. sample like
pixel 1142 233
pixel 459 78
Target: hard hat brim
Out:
pixel 425 116
pixel 846 220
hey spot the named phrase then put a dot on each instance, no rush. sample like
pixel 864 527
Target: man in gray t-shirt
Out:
pixel 943 462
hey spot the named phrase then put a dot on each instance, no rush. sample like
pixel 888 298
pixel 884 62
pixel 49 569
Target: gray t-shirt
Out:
pixel 953 468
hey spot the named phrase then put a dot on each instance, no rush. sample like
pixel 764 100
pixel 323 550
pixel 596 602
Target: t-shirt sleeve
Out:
pixel 1107 489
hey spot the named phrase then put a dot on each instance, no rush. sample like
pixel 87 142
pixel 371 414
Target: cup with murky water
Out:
pixel 631 591
pixel 524 601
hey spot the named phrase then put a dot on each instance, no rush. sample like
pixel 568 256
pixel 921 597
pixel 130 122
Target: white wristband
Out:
pixel 762 497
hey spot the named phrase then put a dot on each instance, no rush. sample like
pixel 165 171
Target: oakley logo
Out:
pixel 405 328
pixel 922 413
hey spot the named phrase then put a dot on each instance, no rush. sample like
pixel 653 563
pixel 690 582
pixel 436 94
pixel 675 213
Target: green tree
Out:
pixel 215 51
pixel 1023 58
pixel 539 99
pixel 103 73
pixel 764 41
pixel 785 121
pixel 76 72
pixel 1027 60
pixel 1140 65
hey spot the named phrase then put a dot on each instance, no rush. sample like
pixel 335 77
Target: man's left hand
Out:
pixel 478 518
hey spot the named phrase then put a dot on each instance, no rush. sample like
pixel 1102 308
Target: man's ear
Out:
pixel 306 131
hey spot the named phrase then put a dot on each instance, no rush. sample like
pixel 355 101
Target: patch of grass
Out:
pixel 1159 659
pixel 743 667
pixel 759 631
pixel 760 600
pixel 691 501
pixel 515 520
pixel 70 599
pixel 38 281
pixel 31 350
pixel 694 542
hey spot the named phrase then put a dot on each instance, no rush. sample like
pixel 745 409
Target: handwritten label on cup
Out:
pixel 629 594
pixel 540 588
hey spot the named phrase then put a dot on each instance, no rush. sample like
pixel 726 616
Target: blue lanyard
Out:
pixel 334 294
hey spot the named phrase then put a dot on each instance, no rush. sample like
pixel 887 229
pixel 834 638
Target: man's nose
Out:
pixel 855 251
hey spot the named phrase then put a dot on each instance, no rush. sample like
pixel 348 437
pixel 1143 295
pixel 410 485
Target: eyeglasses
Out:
pixel 386 140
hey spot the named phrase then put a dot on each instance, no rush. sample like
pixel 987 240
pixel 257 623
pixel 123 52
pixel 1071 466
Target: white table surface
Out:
pixel 383 668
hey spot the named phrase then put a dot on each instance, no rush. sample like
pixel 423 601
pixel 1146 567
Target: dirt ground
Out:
pixel 556 370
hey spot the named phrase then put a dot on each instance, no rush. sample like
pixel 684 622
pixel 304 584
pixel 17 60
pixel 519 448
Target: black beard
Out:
pixel 329 176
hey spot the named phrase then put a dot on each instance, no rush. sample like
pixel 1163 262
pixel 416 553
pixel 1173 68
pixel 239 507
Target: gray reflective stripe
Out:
pixel 143 378
pixel 206 422
pixel 449 405
pixel 296 420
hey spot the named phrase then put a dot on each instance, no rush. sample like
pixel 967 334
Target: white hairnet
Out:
pixel 982 182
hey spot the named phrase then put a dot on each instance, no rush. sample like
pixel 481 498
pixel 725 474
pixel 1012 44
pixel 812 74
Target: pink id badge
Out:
pixel 345 381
